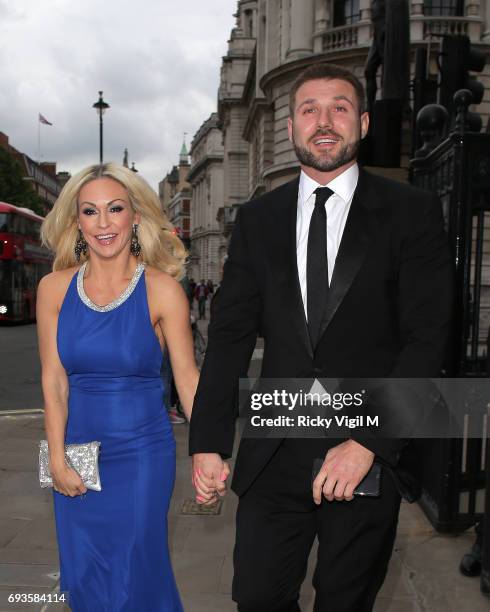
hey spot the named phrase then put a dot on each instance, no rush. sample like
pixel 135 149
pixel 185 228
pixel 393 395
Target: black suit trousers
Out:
pixel 277 522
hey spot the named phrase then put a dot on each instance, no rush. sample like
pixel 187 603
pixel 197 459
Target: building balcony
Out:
pixel 422 28
pixel 340 38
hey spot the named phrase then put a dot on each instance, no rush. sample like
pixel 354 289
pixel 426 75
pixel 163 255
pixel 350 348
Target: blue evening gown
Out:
pixel 113 544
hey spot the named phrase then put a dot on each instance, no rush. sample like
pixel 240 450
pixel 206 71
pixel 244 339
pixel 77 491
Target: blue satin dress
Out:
pixel 113 544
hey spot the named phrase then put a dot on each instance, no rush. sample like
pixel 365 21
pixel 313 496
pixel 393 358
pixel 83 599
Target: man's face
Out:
pixel 326 128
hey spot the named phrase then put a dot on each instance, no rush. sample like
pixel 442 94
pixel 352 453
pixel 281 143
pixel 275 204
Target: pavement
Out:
pixel 20 374
pixel 423 574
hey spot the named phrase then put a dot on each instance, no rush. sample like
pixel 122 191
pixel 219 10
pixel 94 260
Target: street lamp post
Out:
pixel 101 106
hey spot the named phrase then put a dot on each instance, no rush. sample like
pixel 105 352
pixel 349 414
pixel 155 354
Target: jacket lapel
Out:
pixel 355 241
pixel 298 317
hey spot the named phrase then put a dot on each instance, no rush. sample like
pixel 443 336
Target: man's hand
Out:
pixel 209 474
pixel 344 467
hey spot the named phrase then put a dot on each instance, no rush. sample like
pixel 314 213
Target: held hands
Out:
pixel 344 467
pixel 67 481
pixel 209 474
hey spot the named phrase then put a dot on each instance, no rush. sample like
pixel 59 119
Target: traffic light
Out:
pixel 458 57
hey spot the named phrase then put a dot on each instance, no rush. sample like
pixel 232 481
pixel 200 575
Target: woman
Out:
pixel 106 312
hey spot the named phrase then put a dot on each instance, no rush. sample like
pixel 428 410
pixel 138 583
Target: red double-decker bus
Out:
pixel 23 262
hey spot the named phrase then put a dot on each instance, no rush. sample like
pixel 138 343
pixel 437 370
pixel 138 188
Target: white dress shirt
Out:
pixel 337 208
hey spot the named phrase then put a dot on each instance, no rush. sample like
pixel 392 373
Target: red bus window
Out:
pixel 4 222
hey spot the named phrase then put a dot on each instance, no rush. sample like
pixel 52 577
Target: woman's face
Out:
pixel 106 217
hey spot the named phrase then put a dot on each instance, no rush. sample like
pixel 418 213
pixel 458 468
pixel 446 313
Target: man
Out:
pixel 192 289
pixel 201 293
pixel 376 306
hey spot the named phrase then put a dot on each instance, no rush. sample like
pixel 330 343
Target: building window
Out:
pixel 446 8
pixel 249 24
pixel 345 12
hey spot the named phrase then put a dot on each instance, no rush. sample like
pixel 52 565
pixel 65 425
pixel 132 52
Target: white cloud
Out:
pixel 157 62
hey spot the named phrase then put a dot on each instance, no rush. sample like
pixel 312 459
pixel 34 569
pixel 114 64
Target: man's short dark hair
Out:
pixel 327 71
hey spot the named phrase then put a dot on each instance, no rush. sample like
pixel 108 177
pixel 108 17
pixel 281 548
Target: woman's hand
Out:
pixel 67 482
pixel 209 474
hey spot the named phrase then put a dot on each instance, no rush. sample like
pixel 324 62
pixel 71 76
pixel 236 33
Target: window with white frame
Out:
pixel 345 12
pixel 444 8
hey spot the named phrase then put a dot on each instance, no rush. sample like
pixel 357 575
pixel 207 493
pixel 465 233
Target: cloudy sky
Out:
pixel 157 62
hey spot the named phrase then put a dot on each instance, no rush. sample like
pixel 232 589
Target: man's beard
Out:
pixel 346 154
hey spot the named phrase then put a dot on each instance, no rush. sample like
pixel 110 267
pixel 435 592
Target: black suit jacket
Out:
pixel 388 313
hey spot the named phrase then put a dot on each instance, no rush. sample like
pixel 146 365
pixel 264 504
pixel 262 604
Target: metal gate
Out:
pixel 458 170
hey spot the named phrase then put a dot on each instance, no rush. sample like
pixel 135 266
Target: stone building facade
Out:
pixel 42 177
pixel 175 195
pixel 272 41
pixel 293 34
pixel 233 111
pixel 207 180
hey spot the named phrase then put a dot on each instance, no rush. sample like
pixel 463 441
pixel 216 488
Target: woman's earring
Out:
pixel 135 245
pixel 80 245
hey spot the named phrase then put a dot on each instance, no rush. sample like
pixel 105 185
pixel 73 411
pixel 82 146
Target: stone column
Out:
pixel 475 29
pixel 486 24
pixel 301 44
pixel 416 20
pixel 322 18
pixel 271 42
pixel 195 205
pixel 202 202
pixel 285 29
pixel 321 15
pixel 255 23
pixel 364 26
pixel 472 8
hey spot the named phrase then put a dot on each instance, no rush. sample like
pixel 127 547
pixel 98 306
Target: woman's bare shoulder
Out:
pixel 53 286
pixel 54 279
pixel 160 281
pixel 163 290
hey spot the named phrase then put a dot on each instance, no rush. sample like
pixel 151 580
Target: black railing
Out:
pixel 458 170
pixel 456 481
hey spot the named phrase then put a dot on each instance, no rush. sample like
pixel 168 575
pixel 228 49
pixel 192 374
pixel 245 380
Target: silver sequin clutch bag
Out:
pixel 83 458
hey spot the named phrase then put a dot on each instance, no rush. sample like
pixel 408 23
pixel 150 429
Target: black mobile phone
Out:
pixel 370 485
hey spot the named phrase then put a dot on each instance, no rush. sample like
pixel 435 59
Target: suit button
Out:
pixel 317 370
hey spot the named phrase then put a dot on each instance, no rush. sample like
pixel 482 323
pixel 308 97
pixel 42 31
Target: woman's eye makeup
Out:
pixel 115 208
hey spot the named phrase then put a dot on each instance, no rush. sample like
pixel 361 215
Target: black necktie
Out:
pixel 317 264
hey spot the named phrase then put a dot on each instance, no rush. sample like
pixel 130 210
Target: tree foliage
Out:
pixel 13 188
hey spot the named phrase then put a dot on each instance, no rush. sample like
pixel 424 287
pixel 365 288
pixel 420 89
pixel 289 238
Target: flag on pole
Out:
pixel 42 119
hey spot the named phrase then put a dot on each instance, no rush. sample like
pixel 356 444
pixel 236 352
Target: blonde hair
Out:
pixel 160 247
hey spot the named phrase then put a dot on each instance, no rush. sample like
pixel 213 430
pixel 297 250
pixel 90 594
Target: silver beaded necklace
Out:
pixel 115 303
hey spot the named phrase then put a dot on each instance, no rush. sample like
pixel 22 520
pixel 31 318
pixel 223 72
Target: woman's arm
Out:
pixel 171 307
pixel 55 386
pixel 176 327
